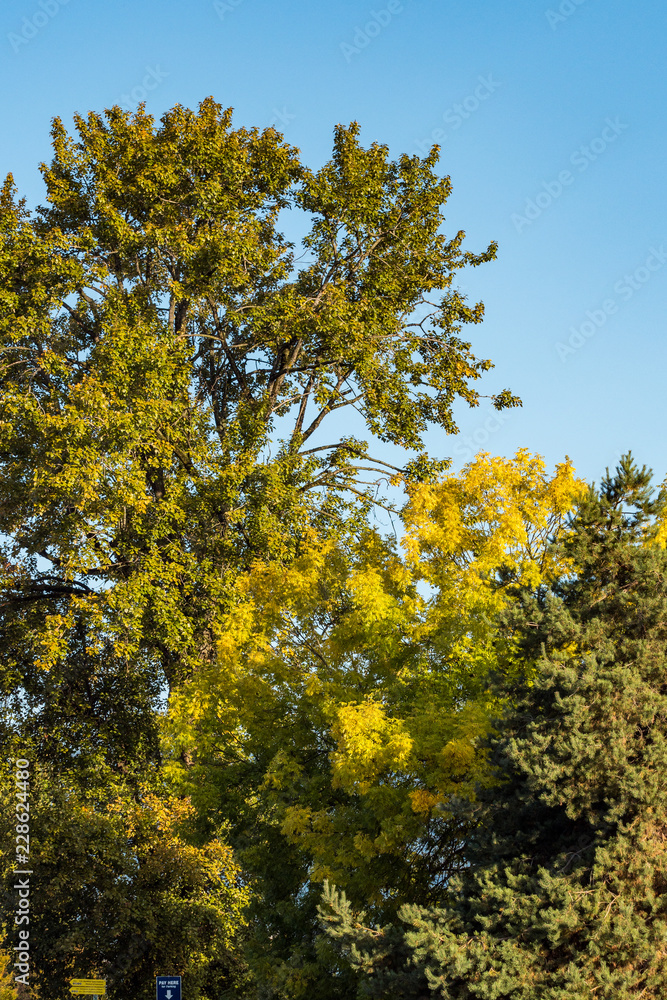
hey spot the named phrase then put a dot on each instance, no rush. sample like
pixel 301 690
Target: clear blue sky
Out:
pixel 551 118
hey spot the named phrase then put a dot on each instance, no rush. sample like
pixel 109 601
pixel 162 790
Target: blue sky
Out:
pixel 550 115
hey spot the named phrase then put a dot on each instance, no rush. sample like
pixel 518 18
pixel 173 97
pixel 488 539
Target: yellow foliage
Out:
pixel 496 513
pixel 458 756
pixel 366 698
pixel 297 820
pixel 658 535
pixel 369 743
pixel 8 987
pixel 423 801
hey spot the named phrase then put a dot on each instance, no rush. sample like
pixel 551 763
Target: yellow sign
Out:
pixel 89 987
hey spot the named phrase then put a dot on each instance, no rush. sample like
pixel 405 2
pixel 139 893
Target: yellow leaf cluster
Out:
pixel 496 513
pixel 368 698
pixel 369 744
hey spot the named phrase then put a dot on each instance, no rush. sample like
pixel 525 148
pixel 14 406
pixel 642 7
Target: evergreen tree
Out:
pixel 565 895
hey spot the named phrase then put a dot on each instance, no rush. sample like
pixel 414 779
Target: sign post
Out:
pixel 88 987
pixel 168 987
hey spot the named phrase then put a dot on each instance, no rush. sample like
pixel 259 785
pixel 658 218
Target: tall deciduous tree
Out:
pixel 155 329
pixel 566 893
pixel 171 375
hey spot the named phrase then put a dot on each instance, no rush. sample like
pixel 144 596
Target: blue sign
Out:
pixel 168 987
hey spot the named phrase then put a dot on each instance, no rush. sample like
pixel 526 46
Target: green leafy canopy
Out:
pixel 156 325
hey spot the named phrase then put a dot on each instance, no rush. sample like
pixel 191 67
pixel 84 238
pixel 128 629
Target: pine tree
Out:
pixel 566 892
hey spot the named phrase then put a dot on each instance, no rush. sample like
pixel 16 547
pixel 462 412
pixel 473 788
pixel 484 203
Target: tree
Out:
pixel 168 368
pixel 120 892
pixel 565 891
pixel 8 989
pixel 158 334
pixel 346 708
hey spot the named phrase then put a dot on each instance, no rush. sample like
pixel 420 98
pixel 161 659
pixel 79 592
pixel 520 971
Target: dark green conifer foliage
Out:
pixel 566 894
